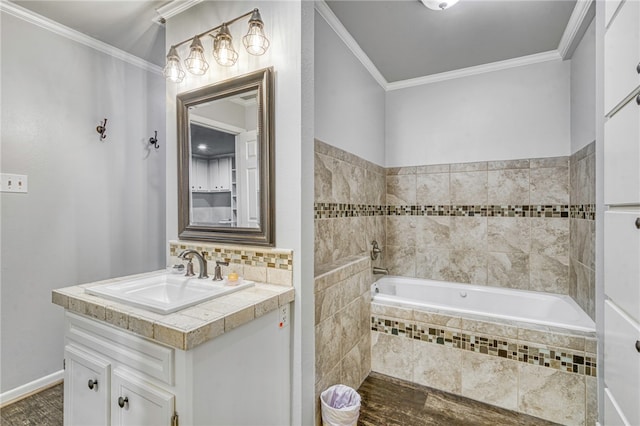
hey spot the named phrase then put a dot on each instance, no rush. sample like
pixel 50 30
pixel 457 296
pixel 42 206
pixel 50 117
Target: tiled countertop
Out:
pixel 186 328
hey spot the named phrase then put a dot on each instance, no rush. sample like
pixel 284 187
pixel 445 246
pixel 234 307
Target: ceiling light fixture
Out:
pixel 439 4
pixel 255 42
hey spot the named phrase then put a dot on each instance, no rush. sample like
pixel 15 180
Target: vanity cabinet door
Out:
pixel 202 174
pixel 86 388
pixel 135 402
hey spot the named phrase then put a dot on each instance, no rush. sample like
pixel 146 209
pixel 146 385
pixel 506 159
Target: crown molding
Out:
pixel 573 29
pixel 551 55
pixel 333 21
pixel 173 8
pixel 71 34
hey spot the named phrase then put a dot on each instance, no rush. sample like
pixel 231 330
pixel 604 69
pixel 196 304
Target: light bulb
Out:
pixel 255 41
pixel 439 4
pixel 196 63
pixel 173 70
pixel 223 50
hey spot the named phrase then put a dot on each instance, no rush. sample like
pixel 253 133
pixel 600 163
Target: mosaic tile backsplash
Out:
pixel 273 266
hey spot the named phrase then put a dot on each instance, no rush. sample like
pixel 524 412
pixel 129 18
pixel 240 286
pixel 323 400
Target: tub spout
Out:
pixel 380 271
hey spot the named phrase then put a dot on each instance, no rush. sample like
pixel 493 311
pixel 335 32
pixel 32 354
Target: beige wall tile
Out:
pixel 433 264
pixel 509 234
pixel 433 232
pixel 279 276
pixel 401 260
pixel 468 188
pixel 401 231
pixel 468 233
pixel 537 163
pixel 433 168
pixel 552 339
pixel 591 387
pixel 388 311
pixel 392 355
pixel 468 267
pixel 469 167
pixel 323 169
pixel 437 366
pixel 350 369
pixel 323 243
pixel 328 345
pixel 550 237
pixel 490 379
pixel 365 355
pixel 238 318
pixel 548 274
pixel 508 164
pixel 255 273
pixel 510 270
pixel 508 187
pixel 549 185
pixel 401 190
pixel 432 318
pixel 551 395
pixel 489 328
pixel 433 189
pixel 350 326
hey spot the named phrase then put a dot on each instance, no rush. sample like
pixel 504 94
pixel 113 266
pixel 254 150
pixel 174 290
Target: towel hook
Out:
pixel 102 129
pixel 154 140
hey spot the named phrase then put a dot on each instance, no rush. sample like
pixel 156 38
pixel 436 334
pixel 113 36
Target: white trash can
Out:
pixel 340 406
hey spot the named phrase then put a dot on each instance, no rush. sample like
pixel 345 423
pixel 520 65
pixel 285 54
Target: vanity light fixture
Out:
pixel 196 63
pixel 439 4
pixel 255 42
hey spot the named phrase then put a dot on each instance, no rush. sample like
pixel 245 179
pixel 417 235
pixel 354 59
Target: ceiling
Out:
pixel 126 25
pixel 402 38
pixel 406 40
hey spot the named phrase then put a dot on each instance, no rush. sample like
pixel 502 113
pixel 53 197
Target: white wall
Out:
pixel 283 26
pixel 349 103
pixel 516 113
pixel 95 209
pixel 583 91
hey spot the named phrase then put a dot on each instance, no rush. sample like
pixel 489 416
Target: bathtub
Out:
pixel 513 306
pixel 535 353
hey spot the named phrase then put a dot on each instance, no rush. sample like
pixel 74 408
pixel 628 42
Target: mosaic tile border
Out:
pixel 577 362
pixel 583 211
pixel 259 258
pixel 337 210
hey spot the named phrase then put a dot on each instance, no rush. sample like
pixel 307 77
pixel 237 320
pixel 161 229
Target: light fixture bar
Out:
pixel 211 30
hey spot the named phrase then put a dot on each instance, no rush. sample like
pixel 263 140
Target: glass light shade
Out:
pixel 173 70
pixel 439 4
pixel 196 63
pixel 255 41
pixel 223 50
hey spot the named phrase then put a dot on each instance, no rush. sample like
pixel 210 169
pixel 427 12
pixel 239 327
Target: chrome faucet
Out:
pixel 217 275
pixel 380 271
pixel 202 263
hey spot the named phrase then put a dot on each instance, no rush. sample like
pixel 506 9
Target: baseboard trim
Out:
pixel 28 389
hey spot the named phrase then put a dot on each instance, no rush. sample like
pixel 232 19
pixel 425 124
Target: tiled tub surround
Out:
pixel 496 223
pixel 582 228
pixel 261 264
pixel 186 328
pixel 547 374
pixel 342 337
pixel 349 206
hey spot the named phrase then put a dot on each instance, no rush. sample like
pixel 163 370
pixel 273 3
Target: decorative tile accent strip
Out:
pixel 334 210
pixel 239 256
pixel 583 211
pixel 571 361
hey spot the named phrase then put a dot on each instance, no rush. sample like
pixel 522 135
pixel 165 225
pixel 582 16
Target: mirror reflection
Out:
pixel 224 170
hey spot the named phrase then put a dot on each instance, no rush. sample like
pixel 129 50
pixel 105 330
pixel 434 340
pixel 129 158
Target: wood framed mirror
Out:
pixel 226 161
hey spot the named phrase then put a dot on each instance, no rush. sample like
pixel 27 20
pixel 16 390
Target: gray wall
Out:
pixel 95 209
pixel 583 91
pixel 349 103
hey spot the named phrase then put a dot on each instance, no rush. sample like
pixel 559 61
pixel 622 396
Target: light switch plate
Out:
pixel 11 182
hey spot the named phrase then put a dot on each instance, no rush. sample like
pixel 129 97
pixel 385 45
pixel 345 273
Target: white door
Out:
pixel 248 175
pixel 135 402
pixel 86 388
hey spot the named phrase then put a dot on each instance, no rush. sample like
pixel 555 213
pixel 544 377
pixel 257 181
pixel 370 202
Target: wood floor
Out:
pixel 390 402
pixel 41 409
pixel 385 402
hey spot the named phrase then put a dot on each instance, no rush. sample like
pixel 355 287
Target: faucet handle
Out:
pixel 189 272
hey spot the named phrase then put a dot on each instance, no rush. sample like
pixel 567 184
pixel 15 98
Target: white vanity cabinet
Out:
pixel 622 217
pixel 211 174
pixel 241 377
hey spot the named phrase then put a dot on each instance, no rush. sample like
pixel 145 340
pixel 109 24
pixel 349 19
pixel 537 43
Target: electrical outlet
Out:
pixel 10 182
pixel 284 316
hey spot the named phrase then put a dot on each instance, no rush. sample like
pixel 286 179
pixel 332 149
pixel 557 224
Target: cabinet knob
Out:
pixel 92 384
pixel 638 99
pixel 638 222
pixel 638 345
pixel 123 401
pixel 638 68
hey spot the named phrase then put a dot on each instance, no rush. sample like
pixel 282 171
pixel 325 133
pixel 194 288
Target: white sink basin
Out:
pixel 165 293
